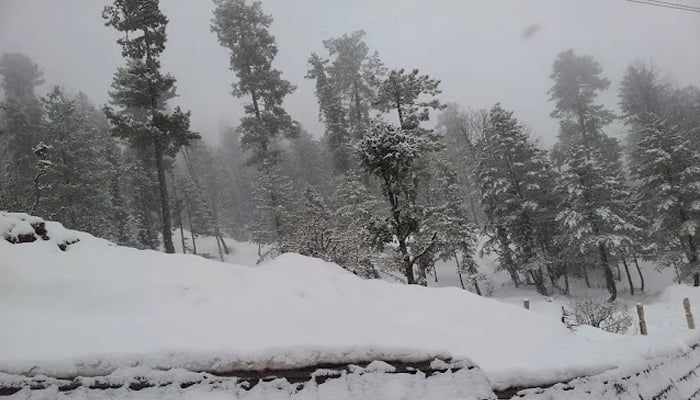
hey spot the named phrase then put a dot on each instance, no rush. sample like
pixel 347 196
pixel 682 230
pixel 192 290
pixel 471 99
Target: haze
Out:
pixel 483 51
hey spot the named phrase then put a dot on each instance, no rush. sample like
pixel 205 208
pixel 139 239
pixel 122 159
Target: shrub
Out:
pixel 609 316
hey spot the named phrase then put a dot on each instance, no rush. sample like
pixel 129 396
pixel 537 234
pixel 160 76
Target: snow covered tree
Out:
pixel 141 91
pixel 665 166
pixel 275 213
pixel 78 193
pixel 461 130
pixel 244 29
pixel 406 93
pixel 315 233
pixel 448 216
pixel 355 209
pixel 596 214
pixel 667 172
pixel 577 83
pixel 396 156
pixel 139 186
pixel 346 85
pixel 517 185
pixel 21 116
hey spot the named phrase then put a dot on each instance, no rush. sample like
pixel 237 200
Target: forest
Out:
pixel 398 180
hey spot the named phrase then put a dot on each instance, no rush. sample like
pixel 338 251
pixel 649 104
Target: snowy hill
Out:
pixel 97 307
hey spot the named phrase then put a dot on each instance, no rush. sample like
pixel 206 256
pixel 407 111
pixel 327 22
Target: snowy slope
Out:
pixel 96 307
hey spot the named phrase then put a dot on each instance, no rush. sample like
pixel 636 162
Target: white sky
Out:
pixel 474 46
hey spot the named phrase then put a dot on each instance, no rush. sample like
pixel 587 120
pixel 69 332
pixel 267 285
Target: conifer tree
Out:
pixel 141 91
pixel 275 212
pixel 596 215
pixel 577 83
pixel 244 29
pixel 665 166
pixel 21 115
pixel 406 94
pixel 78 193
pixel 396 156
pixel 667 172
pixel 346 85
pixel 355 209
pixel 517 186
pixel 448 216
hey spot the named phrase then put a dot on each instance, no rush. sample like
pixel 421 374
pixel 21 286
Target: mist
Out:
pixel 483 51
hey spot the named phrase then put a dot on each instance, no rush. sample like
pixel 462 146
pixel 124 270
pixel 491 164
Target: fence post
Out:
pixel 642 322
pixel 688 314
pixel 526 304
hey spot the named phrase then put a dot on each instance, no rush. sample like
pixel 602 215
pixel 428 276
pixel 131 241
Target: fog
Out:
pixel 483 51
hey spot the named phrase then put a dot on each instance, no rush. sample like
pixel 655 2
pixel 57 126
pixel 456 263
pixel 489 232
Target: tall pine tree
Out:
pixel 140 92
pixel 244 29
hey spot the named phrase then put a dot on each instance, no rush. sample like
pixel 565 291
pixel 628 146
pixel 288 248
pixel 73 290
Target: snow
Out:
pixel 97 307
pixel 361 384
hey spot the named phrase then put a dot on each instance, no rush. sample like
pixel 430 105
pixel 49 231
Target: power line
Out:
pixel 667 4
pixel 663 3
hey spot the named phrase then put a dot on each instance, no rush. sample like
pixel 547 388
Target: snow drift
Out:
pixel 97 307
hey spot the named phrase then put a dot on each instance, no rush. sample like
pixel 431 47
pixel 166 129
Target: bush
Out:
pixel 609 316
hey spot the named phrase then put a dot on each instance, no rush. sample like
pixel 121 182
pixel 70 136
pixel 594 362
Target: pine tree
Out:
pixel 448 216
pixel 243 29
pixel 275 215
pixel 517 186
pixel 577 83
pixel 78 195
pixel 405 93
pixel 21 115
pixel 596 215
pixel 396 156
pixel 667 172
pixel 355 210
pixel 664 164
pixel 141 91
pixel 346 85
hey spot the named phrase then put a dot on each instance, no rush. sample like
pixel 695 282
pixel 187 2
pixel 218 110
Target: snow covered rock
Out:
pixel 23 228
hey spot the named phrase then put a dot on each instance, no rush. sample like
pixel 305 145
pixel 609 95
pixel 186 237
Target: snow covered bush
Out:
pixel 609 316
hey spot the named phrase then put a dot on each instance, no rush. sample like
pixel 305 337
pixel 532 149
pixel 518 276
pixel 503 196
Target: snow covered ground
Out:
pixel 97 307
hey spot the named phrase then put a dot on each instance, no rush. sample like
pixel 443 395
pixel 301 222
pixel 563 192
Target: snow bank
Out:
pixel 98 307
pixel 373 382
pixel 670 377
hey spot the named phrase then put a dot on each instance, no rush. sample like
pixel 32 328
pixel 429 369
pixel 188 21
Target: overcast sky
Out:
pixel 474 46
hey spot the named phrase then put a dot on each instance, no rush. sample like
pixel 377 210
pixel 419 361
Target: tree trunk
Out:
pixel 407 263
pixel 459 269
pixel 609 277
pixel 538 280
pixel 629 277
pixel 619 272
pixel 189 221
pixel 178 209
pixel 639 271
pixel 566 278
pixel 164 200
pixel 476 287
pixel 585 277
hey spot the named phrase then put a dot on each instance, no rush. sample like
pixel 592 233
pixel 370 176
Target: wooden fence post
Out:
pixel 642 322
pixel 688 314
pixel 526 304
